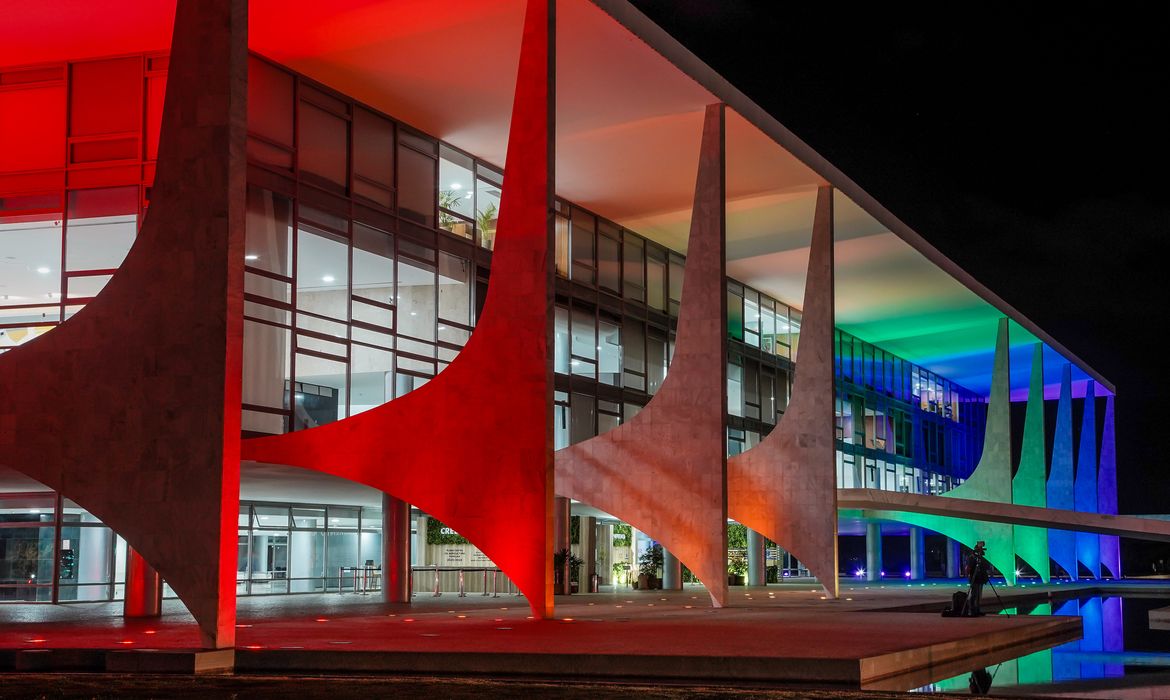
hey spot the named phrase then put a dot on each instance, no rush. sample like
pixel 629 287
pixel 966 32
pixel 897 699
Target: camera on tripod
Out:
pixel 967 603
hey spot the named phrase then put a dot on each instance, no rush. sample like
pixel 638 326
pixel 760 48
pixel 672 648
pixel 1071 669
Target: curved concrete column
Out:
pixel 785 487
pixel 1062 543
pixel 991 481
pixel 664 472
pixel 1028 483
pixel 473 446
pixel 1107 491
pixel 131 408
pixel 1085 485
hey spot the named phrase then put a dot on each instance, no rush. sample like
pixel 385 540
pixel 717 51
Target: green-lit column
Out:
pixel 992 478
pixel 1028 487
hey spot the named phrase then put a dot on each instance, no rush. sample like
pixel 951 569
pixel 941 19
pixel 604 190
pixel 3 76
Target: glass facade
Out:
pixel 367 258
pixel 899 426
pixel 301 548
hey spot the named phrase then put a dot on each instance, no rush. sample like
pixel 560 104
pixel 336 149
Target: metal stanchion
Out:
pixel 462 592
pixel 485 591
pixel 340 575
pixel 437 593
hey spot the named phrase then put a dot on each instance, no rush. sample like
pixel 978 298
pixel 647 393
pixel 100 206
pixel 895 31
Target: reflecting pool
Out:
pixel 1118 642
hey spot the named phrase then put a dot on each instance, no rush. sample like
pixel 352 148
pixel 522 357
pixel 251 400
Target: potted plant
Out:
pixel 562 559
pixel 736 568
pixel 649 564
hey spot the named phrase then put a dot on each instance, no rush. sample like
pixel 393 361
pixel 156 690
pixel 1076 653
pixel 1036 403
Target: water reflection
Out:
pixel 1117 641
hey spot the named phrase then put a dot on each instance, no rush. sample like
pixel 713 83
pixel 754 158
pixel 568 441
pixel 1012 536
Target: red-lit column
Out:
pixel 395 549
pixel 144 587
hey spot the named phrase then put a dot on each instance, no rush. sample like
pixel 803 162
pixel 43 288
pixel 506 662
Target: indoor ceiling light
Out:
pixel 327 278
pixel 456 186
pixel 43 270
pixel 251 257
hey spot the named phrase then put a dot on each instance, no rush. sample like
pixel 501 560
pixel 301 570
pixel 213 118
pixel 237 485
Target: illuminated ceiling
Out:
pixel 627 145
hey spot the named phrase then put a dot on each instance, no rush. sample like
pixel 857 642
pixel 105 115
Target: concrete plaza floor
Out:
pixel 787 633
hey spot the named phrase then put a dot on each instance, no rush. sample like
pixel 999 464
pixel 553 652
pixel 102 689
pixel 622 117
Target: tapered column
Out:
pixel 873 551
pixel 1107 493
pixel 1062 543
pixel 144 587
pixel 671 571
pixel 473 447
pixel 562 539
pixel 917 554
pixel 665 470
pixel 395 549
pixel 785 488
pixel 756 559
pixel 1028 484
pixel 150 446
pixel 1085 484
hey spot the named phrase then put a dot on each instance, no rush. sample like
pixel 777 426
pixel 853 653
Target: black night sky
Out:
pixel 1028 144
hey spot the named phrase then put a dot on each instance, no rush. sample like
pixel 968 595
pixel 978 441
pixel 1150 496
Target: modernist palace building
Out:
pixel 321 297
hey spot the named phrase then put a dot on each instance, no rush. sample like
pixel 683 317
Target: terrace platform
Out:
pixel 780 634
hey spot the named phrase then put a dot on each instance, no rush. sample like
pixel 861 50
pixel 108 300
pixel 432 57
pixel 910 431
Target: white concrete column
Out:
pixel 606 545
pixel 671 571
pixel 873 551
pixel 917 554
pixel 419 555
pixel 588 552
pixel 395 550
pixel 756 559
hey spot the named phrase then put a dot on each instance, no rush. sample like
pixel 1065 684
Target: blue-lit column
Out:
pixel 953 557
pixel 757 559
pixel 873 551
pixel 1088 544
pixel 917 554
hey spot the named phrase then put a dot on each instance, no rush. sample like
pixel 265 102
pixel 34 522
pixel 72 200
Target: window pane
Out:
pixel 734 389
pixel 268 232
pixel 561 340
pixel 562 245
pixel 656 278
pixel 373 156
pixel 454 289
pixel 676 282
pixel 31 250
pixel 373 265
pixel 734 315
pixel 583 415
pixel 416 187
pixel 270 102
pixel 322 272
pixel 633 276
pixel 416 299
pixel 100 228
pixel 634 351
pixel 609 361
pixel 323 145
pixel 319 392
pixel 609 263
pixel 656 361
pixel 583 233
pixel 455 182
pixel 266 358
pixel 487 212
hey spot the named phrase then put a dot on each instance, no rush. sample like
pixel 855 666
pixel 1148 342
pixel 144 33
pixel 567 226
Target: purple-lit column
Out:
pixel 1107 492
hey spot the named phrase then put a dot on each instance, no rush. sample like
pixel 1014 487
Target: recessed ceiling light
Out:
pixel 456 186
pixel 442 328
pixel 43 270
pixel 414 313
pixel 251 257
pixel 327 278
